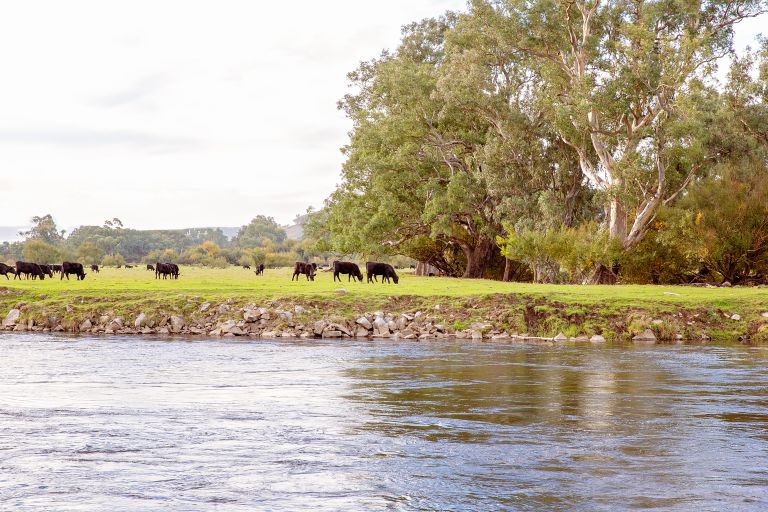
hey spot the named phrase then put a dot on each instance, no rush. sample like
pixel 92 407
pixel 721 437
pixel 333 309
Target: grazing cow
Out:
pixel 346 267
pixel 69 267
pixel 385 270
pixel 248 267
pixel 6 269
pixel 308 269
pixel 56 269
pixel 166 270
pixel 95 268
pixel 47 270
pixel 129 266
pixel 29 269
pixel 151 267
pixel 259 269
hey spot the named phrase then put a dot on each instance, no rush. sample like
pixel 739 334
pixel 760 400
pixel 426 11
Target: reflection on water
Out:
pixel 126 424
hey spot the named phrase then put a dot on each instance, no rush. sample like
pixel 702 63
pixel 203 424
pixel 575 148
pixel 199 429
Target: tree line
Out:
pixel 562 142
pixel 260 241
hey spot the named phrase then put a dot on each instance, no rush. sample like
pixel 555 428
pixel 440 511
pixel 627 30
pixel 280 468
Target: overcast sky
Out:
pixel 172 114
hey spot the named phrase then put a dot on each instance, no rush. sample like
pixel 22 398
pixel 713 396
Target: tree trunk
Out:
pixel 617 220
pixel 477 257
pixel 507 269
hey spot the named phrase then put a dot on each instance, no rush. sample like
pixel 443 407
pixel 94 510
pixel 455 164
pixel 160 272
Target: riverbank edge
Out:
pixel 494 317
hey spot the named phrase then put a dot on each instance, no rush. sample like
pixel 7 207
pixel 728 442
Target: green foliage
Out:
pixel 38 251
pixel 44 229
pixel 257 232
pixel 562 255
pixel 113 260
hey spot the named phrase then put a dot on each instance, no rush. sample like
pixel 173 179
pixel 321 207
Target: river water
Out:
pixel 151 425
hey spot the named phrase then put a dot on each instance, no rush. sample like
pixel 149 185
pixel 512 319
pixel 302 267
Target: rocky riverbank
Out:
pixel 486 318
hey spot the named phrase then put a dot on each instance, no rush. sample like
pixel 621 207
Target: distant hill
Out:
pixel 296 231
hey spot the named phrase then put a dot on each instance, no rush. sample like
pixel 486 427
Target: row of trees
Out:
pixel 260 241
pixel 542 140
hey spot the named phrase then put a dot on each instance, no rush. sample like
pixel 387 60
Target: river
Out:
pixel 151 425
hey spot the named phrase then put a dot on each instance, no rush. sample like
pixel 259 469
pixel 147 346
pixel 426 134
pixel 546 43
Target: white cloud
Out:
pixel 178 113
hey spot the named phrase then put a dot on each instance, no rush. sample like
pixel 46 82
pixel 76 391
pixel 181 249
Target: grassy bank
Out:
pixel 616 311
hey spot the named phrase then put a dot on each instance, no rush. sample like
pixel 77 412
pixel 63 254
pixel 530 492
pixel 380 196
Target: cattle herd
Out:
pixel 33 270
pixel 373 270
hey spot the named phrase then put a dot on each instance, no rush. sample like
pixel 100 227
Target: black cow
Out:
pixel 166 270
pixel 95 268
pixel 6 269
pixel 29 269
pixel 151 267
pixel 308 269
pixel 385 270
pixel 47 270
pixel 248 267
pixel 259 269
pixel 346 267
pixel 129 266
pixel 56 269
pixel 69 267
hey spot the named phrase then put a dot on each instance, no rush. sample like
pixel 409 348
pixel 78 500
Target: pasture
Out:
pixel 113 285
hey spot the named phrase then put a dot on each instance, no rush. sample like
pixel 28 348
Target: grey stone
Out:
pixel 299 310
pixel 86 325
pixel 177 324
pixel 331 333
pixel 140 321
pixel 204 307
pixel 11 318
pixel 364 322
pixel 561 337
pixel 735 316
pixel 597 338
pixel 380 327
pixel 646 336
pixel 764 315
pixel 341 291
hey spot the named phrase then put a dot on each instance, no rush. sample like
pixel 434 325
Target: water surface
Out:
pixel 133 424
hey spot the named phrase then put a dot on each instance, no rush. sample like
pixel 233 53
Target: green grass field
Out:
pixel 129 291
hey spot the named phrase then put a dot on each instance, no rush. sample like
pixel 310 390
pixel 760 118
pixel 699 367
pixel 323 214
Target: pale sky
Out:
pixel 171 114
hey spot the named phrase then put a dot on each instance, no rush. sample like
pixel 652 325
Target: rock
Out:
pixel 237 331
pixel 726 284
pixel 103 320
pixel 764 315
pixel 223 309
pixel 560 337
pixel 43 296
pixel 380 327
pixel 251 316
pixel 227 326
pixel 341 291
pixel 286 315
pixel 735 316
pixel 341 328
pixel 86 326
pixel 177 324
pixel 437 307
pixel 299 310
pixel 215 332
pixel 204 307
pixel 163 330
pixel 11 318
pixel 597 338
pixel 318 327
pixel 269 334
pixel 646 336
pixel 657 322
pixel 672 293
pixel 69 308
pixel 477 335
pixel 140 321
pixel 115 324
pixel 364 322
pixel 331 333
pixel 147 330
pixel 361 332
pixel 500 336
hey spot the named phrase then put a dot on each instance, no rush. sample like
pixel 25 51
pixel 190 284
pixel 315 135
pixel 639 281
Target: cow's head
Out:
pixel 395 278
